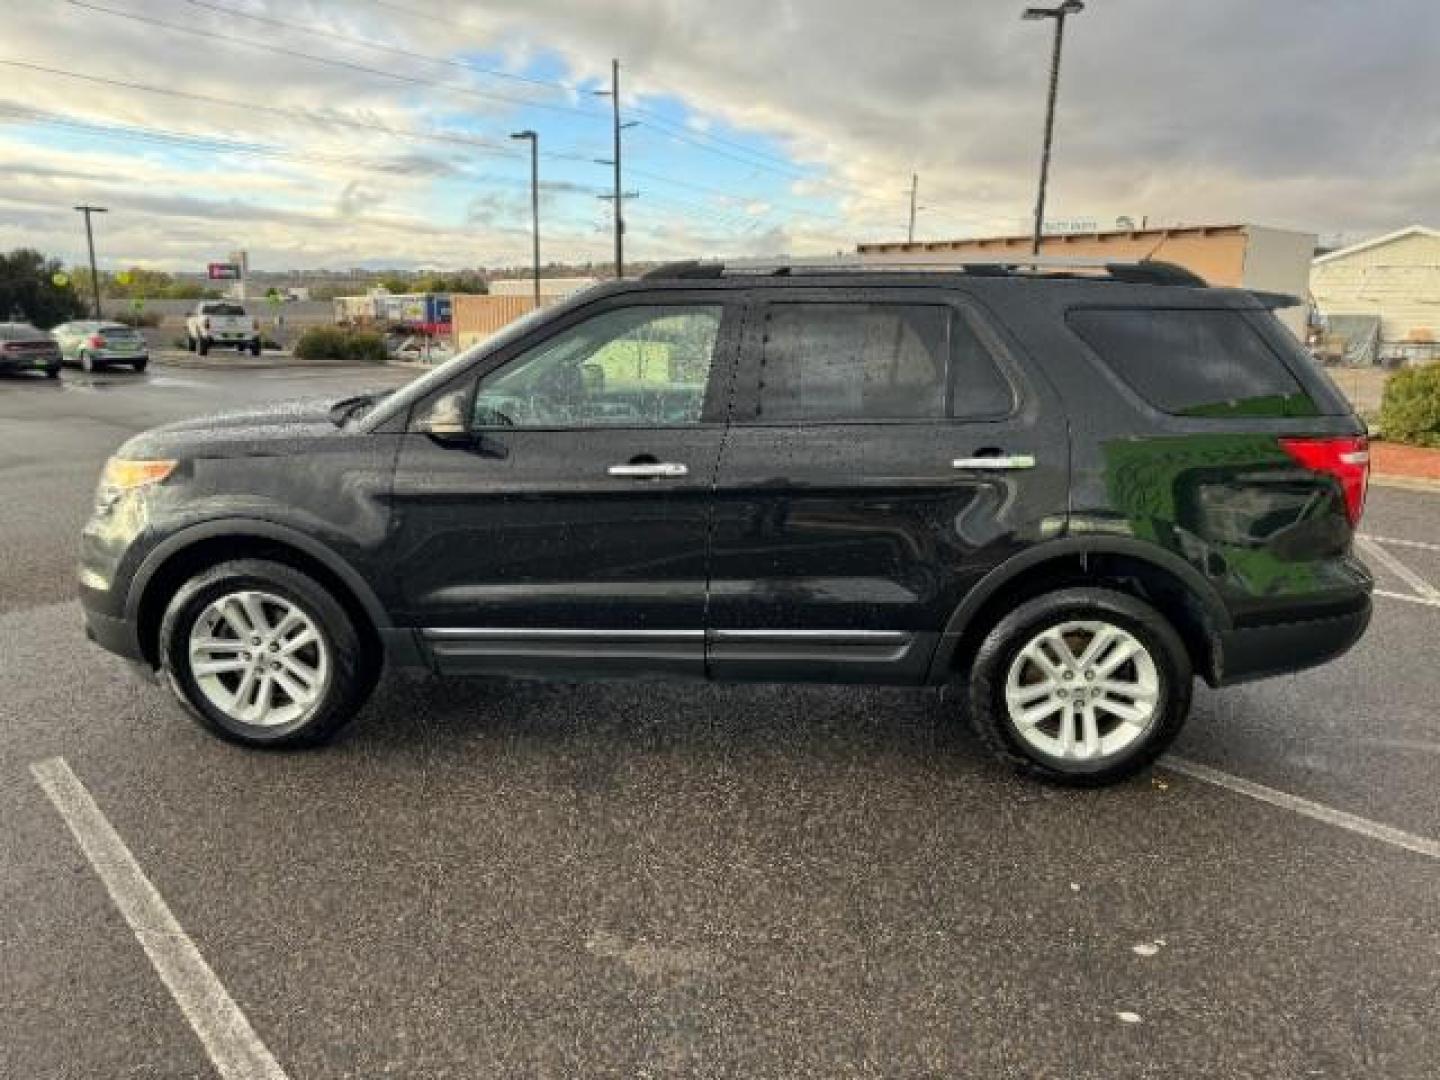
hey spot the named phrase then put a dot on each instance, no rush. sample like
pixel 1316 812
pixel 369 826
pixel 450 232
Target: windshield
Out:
pixel 223 309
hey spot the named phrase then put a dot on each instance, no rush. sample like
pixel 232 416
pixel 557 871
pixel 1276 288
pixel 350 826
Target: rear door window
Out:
pixel 826 362
pixel 1191 362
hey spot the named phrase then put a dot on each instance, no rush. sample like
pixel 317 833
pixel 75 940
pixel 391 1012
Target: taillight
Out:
pixel 96 342
pixel 1347 458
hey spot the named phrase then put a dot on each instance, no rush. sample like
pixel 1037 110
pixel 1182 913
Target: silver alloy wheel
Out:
pixel 1083 691
pixel 259 658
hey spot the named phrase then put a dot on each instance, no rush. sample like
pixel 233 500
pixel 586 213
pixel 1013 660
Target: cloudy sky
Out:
pixel 337 133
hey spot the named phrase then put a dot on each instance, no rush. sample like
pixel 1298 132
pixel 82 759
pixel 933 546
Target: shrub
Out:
pixel 139 318
pixel 366 347
pixel 333 343
pixel 1410 409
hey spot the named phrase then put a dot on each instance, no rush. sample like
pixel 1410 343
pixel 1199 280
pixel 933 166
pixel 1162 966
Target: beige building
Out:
pixel 1395 278
pixel 1245 256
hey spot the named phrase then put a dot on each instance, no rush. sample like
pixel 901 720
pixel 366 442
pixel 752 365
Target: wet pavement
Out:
pixel 505 879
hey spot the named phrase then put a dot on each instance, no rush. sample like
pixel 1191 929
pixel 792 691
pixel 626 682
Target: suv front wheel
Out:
pixel 262 654
pixel 1081 686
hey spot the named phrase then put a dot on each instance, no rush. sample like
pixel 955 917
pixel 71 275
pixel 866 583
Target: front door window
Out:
pixel 629 367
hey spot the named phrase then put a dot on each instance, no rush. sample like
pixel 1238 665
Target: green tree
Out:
pixel 473 284
pixel 28 291
pixel 139 282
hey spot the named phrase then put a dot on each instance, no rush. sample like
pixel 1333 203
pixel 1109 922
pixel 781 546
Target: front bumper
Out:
pixel 117 635
pixel 1258 652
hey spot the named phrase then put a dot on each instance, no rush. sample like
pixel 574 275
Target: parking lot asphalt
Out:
pixel 506 879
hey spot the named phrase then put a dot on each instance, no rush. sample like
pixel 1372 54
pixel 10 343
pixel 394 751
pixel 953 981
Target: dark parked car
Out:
pixel 1065 493
pixel 24 348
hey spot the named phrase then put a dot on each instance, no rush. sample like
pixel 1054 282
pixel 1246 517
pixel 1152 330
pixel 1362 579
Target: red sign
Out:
pixel 223 272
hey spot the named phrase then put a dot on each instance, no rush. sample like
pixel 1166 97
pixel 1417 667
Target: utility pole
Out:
pixel 1059 14
pixel 534 139
pixel 90 243
pixel 620 194
pixel 914 188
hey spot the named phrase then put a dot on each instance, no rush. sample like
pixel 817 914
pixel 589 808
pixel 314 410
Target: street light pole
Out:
pixel 914 187
pixel 90 242
pixel 534 139
pixel 1059 14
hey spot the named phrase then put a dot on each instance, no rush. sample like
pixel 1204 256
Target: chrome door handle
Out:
pixel 653 471
pixel 998 461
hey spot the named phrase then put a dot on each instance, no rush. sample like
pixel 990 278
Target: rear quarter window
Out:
pixel 1192 362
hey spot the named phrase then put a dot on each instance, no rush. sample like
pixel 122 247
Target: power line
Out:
pixel 370 43
pixel 695 138
pixel 306 116
pixel 189 140
pixel 280 50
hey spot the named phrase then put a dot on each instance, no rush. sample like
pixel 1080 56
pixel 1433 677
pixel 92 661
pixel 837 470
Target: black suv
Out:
pixel 1064 491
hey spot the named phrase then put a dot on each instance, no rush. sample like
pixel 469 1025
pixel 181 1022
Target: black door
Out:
pixel 885 450
pixel 553 510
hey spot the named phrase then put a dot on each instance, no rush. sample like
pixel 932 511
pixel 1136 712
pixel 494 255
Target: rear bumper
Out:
pixel 1258 652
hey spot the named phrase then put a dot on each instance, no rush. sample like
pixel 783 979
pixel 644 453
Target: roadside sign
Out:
pixel 123 277
pixel 217 271
pixel 60 280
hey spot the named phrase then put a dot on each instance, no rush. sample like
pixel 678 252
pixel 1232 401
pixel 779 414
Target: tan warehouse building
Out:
pixel 1246 256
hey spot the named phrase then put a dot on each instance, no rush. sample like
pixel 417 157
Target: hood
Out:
pixel 283 427
pixel 279 414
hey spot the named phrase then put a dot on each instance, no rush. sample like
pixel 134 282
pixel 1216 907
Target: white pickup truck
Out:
pixel 221 322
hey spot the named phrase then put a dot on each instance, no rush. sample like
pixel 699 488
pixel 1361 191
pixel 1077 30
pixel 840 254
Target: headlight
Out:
pixel 122 474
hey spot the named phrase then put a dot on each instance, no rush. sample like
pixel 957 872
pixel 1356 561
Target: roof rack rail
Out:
pixel 1143 272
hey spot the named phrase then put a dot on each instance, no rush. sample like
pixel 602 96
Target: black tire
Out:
pixel 52 372
pixel 353 670
pixel 202 346
pixel 990 715
pixel 140 365
pixel 189 343
pixel 255 348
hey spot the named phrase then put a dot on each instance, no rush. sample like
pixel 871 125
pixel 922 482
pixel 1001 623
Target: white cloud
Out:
pixel 1321 115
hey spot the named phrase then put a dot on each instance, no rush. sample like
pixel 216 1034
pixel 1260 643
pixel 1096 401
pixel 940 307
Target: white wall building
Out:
pixel 557 288
pixel 1395 277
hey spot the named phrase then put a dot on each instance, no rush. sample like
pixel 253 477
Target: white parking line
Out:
pixel 1407 597
pixel 1339 818
pixel 1423 545
pixel 233 1046
pixel 1398 568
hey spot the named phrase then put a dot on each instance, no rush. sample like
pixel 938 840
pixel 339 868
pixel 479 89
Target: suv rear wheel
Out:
pixel 263 655
pixel 1081 686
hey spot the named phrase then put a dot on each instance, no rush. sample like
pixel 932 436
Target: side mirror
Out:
pixel 447 434
pixel 443 420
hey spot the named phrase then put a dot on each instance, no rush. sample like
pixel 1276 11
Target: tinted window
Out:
pixel 640 366
pixel 979 388
pixel 1193 363
pixel 222 309
pixel 853 361
pixel 21 332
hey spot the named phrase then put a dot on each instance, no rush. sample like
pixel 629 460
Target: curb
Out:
pixel 1407 483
